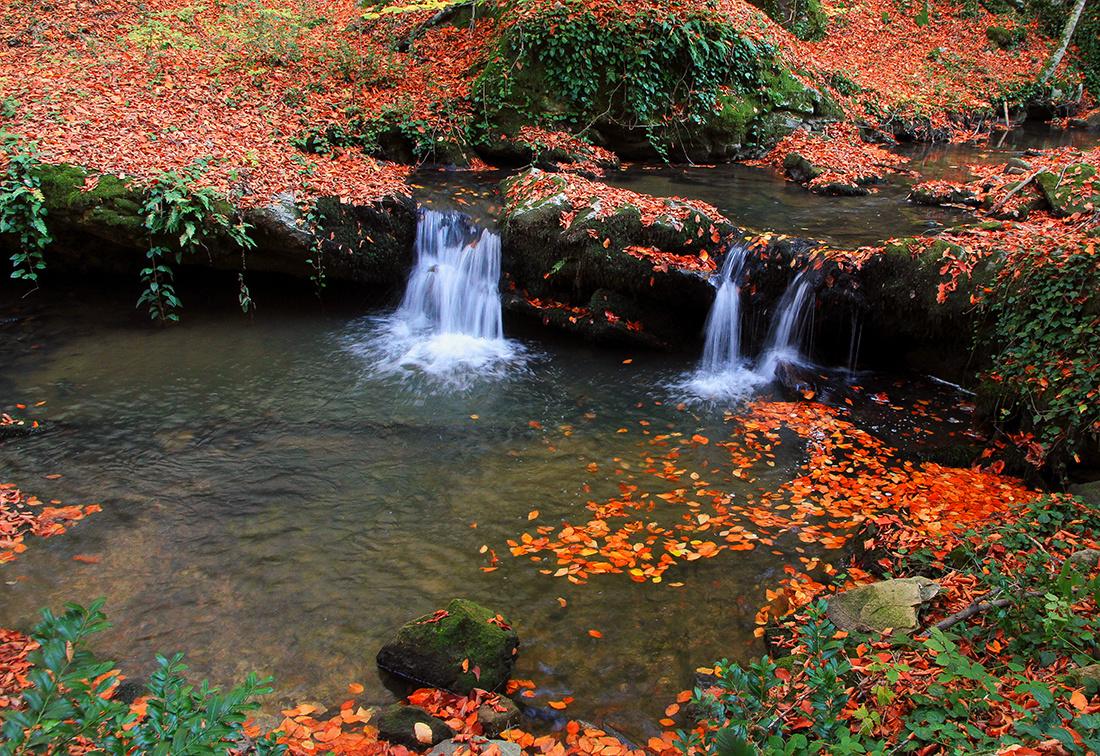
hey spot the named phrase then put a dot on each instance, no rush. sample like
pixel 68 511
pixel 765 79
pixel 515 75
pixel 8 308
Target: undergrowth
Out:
pixel 68 706
pixel 23 209
pixel 1001 677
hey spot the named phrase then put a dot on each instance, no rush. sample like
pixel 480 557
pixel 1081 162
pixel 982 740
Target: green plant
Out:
pixel 178 213
pixel 68 702
pixel 23 209
pixel 1044 338
pixel 747 708
pixel 645 70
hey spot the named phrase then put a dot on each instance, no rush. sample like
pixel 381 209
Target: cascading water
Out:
pixel 449 321
pixel 723 372
pixel 722 349
pixel 453 288
pixel 788 327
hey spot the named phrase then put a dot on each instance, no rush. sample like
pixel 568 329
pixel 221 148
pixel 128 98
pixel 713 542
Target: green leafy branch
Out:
pixel 23 209
pixel 178 213
pixel 68 702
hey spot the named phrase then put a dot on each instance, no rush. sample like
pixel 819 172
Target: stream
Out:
pixel 274 501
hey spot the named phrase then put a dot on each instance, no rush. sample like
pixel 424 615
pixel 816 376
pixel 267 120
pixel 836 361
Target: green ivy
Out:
pixel 23 209
pixel 648 70
pixel 179 218
pixel 1044 340
pixel 66 701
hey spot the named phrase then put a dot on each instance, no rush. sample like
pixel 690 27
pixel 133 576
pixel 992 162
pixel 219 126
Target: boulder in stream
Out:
pixel 880 606
pixel 459 648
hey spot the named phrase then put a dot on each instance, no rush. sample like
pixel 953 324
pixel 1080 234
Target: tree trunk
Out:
pixel 1063 44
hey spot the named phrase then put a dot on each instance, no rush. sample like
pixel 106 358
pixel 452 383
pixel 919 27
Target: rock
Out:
pixel 1071 191
pixel 800 169
pixel 1090 120
pixel 1005 39
pixel 1017 164
pixel 602 256
pixel 1085 559
pixel 448 747
pixel 495 722
pixel 933 194
pixel 1090 492
pixel 397 724
pixel 883 605
pixel 432 650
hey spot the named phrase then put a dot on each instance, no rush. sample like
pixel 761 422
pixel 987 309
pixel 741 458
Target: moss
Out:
pixel 113 203
pixel 434 649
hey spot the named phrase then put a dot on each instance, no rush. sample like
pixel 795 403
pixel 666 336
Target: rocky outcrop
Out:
pixel 458 648
pixel 610 264
pixel 97 224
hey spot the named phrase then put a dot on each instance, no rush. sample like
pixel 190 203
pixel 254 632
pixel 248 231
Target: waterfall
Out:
pixel 788 326
pixel 722 349
pixel 723 372
pixel 453 288
pixel 448 324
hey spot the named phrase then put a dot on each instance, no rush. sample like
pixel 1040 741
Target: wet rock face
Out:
pixel 459 648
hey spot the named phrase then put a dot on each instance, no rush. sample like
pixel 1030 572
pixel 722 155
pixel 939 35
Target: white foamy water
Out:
pixel 448 325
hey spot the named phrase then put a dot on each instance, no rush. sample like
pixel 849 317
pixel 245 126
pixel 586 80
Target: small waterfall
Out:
pixel 788 326
pixel 722 349
pixel 453 288
pixel 449 321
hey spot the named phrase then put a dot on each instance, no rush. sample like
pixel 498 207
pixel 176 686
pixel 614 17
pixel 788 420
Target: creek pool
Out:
pixel 273 502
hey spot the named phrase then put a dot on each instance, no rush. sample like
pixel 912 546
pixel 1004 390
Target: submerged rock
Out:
pixel 397 724
pixel 459 648
pixel 881 606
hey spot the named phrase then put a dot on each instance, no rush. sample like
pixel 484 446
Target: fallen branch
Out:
pixel 977 607
pixel 1018 187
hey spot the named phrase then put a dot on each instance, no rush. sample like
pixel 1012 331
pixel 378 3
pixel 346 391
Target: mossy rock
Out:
pixel 433 649
pixel 881 606
pixel 397 724
pixel 1072 191
pixel 1090 492
pixel 1085 560
pixel 1005 39
pixel 925 195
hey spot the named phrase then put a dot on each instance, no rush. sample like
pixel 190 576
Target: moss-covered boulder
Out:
pixel 397 724
pixel 459 648
pixel 97 224
pixel 943 193
pixel 699 87
pixel 611 264
pixel 1074 190
pixel 881 606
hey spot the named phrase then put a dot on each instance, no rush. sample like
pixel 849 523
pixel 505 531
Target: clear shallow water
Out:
pixel 273 502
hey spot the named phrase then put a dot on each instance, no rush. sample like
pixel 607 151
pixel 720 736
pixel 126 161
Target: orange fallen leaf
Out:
pixel 595 633
pixel 355 689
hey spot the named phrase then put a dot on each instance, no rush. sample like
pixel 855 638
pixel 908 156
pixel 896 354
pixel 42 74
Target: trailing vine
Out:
pixel 23 209
pixel 309 223
pixel 175 210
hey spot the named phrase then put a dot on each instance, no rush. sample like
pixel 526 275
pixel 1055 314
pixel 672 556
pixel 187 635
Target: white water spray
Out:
pixel 449 321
